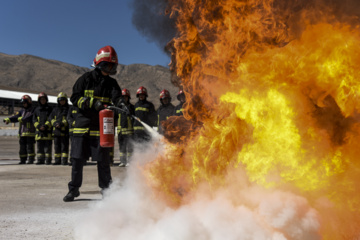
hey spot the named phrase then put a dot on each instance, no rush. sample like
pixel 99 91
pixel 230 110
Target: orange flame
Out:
pixel 278 110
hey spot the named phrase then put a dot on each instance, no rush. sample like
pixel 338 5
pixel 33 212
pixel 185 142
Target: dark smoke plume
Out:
pixel 151 20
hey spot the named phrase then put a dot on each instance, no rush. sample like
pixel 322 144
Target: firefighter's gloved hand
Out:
pixel 6 120
pixel 84 103
pixel 120 102
pixel 126 110
pixel 99 105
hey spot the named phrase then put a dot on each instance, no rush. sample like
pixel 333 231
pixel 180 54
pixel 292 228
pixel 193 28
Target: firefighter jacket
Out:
pixel 163 112
pixel 25 119
pixel 71 118
pixel 89 88
pixel 145 111
pixel 40 119
pixel 178 111
pixel 58 117
pixel 124 121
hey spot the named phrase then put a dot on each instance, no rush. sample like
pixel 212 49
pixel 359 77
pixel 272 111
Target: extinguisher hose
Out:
pixel 124 111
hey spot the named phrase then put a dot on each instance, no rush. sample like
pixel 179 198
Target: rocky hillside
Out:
pixel 39 74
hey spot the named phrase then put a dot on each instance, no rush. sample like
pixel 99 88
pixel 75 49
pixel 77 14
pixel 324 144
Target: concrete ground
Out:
pixel 31 205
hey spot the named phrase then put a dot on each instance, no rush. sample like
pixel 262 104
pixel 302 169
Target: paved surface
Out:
pixel 31 205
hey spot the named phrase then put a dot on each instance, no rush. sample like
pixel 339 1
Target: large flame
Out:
pixel 265 105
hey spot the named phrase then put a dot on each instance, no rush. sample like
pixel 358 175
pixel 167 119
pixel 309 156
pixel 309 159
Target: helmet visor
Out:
pixel 107 67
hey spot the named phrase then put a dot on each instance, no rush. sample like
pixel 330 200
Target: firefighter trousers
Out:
pixel 44 152
pixel 61 148
pixel 27 149
pixel 81 149
pixel 125 147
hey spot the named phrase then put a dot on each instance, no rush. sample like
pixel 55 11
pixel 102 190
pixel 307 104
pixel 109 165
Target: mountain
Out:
pixel 50 76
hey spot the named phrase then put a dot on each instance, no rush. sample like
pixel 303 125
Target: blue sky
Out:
pixel 73 31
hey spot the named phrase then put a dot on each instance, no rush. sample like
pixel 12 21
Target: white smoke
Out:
pixel 130 210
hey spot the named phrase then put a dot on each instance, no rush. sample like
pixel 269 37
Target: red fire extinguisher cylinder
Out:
pixel 106 128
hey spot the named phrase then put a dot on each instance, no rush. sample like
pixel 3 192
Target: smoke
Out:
pixel 130 210
pixel 150 19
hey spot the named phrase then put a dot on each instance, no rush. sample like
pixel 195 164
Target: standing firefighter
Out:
pixel 26 130
pixel 125 130
pixel 145 111
pixel 178 111
pixel 165 110
pixel 60 130
pixel 73 110
pixel 43 130
pixel 91 92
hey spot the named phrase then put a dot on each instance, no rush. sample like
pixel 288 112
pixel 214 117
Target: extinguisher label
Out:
pixel 108 126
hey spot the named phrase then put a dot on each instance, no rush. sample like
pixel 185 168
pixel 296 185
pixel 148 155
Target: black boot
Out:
pixel 30 161
pixel 48 161
pixel 64 161
pixel 40 161
pixel 57 161
pixel 71 195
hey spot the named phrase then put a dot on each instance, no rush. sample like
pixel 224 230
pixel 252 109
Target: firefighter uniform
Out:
pixel 165 110
pixel 26 131
pixel 73 110
pixel 178 110
pixel 125 131
pixel 60 130
pixel 43 131
pixel 145 111
pixel 89 89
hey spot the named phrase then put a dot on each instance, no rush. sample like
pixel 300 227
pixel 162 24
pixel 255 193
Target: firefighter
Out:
pixel 26 130
pixel 125 130
pixel 73 110
pixel 60 130
pixel 145 111
pixel 165 110
pixel 91 92
pixel 43 130
pixel 178 111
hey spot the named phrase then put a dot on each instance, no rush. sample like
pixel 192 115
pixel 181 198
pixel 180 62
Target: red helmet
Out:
pixel 165 94
pixel 179 94
pixel 141 90
pixel 26 99
pixel 106 60
pixel 125 92
pixel 42 94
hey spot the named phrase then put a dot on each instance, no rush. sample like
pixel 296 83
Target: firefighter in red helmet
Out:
pixel 165 110
pixel 145 111
pixel 125 130
pixel 178 111
pixel 43 130
pixel 26 130
pixel 91 92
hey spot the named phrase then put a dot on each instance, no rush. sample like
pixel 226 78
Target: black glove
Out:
pixel 126 110
pixel 84 103
pixel 99 105
pixel 121 104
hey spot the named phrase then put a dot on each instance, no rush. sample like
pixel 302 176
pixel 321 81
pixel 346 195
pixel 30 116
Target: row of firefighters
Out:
pixel 43 125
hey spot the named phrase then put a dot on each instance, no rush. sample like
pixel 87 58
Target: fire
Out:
pixel 264 105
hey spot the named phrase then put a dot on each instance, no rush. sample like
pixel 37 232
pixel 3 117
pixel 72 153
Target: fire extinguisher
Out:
pixel 106 128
